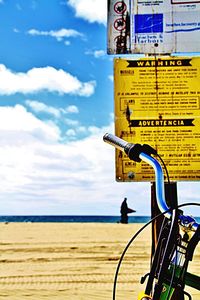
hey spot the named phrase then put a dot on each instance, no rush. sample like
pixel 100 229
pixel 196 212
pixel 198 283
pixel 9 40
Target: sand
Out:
pixel 73 261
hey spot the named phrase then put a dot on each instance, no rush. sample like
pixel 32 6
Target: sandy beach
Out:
pixel 73 261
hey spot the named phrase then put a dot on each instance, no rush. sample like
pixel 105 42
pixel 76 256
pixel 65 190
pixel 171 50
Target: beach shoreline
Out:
pixel 71 260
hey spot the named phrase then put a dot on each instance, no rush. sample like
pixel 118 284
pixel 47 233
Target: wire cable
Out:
pixel 165 168
pixel 173 275
pixel 134 237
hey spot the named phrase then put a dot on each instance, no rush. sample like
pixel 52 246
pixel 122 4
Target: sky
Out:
pixel 56 103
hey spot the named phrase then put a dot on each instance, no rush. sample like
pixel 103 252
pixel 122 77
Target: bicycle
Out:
pixel 179 235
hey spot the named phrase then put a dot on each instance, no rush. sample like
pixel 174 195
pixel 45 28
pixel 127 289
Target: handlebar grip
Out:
pixel 115 141
pixel 132 150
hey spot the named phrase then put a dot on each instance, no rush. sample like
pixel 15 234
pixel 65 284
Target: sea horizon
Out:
pixel 73 219
pixel 70 218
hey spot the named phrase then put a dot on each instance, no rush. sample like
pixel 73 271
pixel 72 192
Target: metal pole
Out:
pixel 171 199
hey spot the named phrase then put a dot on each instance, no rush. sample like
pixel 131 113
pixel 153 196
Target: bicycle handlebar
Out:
pixel 138 152
pixel 134 152
pixel 115 141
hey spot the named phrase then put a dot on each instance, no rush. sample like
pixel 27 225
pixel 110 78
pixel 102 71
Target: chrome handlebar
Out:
pixel 139 152
pixel 115 141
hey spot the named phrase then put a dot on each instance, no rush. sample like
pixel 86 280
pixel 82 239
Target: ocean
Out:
pixel 75 219
pixel 72 219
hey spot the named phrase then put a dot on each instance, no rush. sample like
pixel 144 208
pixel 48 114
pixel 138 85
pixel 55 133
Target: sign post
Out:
pixel 157 98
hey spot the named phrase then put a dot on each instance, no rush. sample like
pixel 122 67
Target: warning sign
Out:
pixel 120 24
pixel 120 7
pixel 157 102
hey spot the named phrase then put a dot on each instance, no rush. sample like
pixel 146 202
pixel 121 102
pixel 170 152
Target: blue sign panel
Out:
pixel 149 23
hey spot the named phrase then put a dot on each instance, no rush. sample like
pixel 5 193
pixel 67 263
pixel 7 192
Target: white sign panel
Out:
pixel 157 27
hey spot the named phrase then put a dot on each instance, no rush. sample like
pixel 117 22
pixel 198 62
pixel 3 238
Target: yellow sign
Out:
pixel 157 102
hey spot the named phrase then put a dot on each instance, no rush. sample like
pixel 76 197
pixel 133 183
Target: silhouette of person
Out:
pixel 125 210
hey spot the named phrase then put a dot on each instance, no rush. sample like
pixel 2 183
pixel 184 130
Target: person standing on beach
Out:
pixel 125 210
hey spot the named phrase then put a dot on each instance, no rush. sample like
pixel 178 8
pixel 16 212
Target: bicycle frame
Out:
pixel 175 247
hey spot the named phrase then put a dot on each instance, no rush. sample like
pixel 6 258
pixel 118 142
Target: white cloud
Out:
pixel 96 53
pixel 99 53
pixel 41 107
pixel 38 107
pixel 18 120
pixel 58 34
pixel 39 174
pixel 82 129
pixel 90 10
pixel 71 132
pixel 39 79
pixel 71 122
pixel 16 30
pixel 67 43
pixel 111 78
pixel 71 109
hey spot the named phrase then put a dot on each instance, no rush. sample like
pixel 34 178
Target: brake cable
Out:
pixel 134 237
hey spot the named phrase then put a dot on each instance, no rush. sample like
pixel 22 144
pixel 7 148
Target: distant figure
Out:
pixel 125 210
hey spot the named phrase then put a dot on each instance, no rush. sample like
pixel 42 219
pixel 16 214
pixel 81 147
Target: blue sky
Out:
pixel 56 103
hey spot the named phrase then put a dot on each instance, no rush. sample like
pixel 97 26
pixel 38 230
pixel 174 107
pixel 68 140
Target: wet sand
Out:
pixel 73 261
